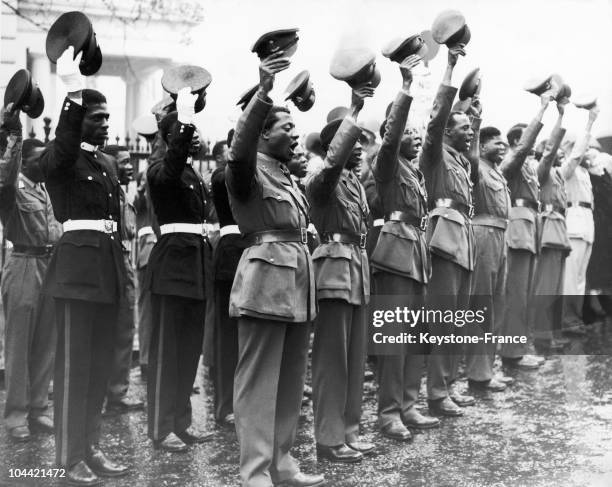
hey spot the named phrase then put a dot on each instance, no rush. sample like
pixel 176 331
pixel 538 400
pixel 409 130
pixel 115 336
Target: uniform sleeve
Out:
pixel 322 184
pixel 174 161
pixel 515 159
pixel 387 159
pixel 240 170
pixel 64 152
pixel 431 154
pixel 10 165
pixel 550 152
pixel 473 154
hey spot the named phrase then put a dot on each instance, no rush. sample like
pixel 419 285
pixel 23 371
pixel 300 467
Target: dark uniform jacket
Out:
pixel 447 175
pixel 553 197
pixel 83 185
pixel 176 265
pixel 338 204
pixel 523 183
pixel 401 247
pixel 274 280
pixel 230 247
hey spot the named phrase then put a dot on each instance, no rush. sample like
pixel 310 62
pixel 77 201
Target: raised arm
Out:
pixel 473 155
pixel 552 145
pixel 580 148
pixel 10 159
pixel 387 158
pixel 515 159
pixel 321 185
pixel 431 154
pixel 240 169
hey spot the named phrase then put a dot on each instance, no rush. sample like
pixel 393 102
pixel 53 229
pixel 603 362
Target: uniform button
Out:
pixel 96 156
pixel 112 238
pixel 271 259
pixel 89 178
pixel 103 174
pixel 110 195
pixel 279 198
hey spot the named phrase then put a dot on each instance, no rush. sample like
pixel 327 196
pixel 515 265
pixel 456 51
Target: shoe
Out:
pixel 42 424
pixel 444 407
pixel 414 419
pixel 102 465
pixel 229 420
pixel 492 385
pixel 363 447
pixel 505 379
pixel 578 330
pixel 396 431
pixel 171 443
pixel 462 399
pixel 338 454
pixel 526 362
pixel 81 474
pixel 191 437
pixel 123 405
pixel 20 433
pixel 301 479
pixel 594 305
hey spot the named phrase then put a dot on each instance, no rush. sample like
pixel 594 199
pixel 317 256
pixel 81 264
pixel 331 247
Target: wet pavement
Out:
pixel 552 427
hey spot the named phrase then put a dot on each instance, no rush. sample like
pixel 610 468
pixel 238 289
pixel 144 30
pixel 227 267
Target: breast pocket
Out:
pixel 34 218
pixel 278 209
pixel 78 259
pixel 89 191
pixel 459 184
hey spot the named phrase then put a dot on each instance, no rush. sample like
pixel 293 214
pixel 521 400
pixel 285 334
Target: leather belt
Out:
pixel 525 203
pixel 193 228
pixel 583 204
pixel 34 250
pixel 104 226
pixel 550 207
pixel 402 216
pixel 145 231
pixel 346 238
pixel 490 221
pixel 379 222
pixel 229 230
pixel 466 210
pixel 269 236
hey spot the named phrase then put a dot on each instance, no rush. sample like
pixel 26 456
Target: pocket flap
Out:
pixel 334 250
pixel 449 214
pixel 401 230
pixel 87 238
pixel 521 213
pixel 279 254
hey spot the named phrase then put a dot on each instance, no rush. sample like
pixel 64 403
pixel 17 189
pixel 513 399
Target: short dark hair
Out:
pixel 113 150
pixel 217 149
pixel 92 97
pixel 167 124
pixel 515 133
pixel 488 133
pixel 273 116
pixel 452 118
pixel 29 145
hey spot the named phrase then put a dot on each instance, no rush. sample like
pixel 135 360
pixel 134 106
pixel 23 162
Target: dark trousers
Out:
pixel 84 351
pixel 399 376
pixel 451 282
pixel 519 287
pixel 176 344
pixel 145 318
pixel 119 379
pixel 268 389
pixel 338 362
pixel 546 310
pixel 488 290
pixel 226 351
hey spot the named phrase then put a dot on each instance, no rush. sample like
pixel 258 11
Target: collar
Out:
pixel 27 181
pixel 270 164
pixel 87 147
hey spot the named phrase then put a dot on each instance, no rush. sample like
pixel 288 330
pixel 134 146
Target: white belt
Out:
pixel 229 230
pixel 211 227
pixel 379 222
pixel 105 226
pixel 145 231
pixel 195 228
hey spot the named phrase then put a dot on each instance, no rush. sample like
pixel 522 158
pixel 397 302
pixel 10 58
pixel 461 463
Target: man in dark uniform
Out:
pixel 449 234
pixel 339 211
pixel 176 278
pixel 521 236
pixel 85 274
pixel 400 261
pixel 273 295
pixel 30 333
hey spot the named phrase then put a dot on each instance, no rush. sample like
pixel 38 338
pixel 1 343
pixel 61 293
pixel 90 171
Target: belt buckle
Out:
pixel 108 226
pixel 423 224
pixel 471 212
pixel 362 240
pixel 205 230
pixel 304 235
pixel 48 249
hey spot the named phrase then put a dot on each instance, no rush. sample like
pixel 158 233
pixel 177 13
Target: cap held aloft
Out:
pixel 356 66
pixel 450 28
pixel 301 92
pixel 187 76
pixel 399 48
pixel 145 125
pixel 277 40
pixel 24 94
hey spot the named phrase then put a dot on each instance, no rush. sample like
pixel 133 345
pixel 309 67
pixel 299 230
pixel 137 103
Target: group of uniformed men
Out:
pixel 462 215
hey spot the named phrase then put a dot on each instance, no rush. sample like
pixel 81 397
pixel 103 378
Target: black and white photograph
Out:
pixel 306 243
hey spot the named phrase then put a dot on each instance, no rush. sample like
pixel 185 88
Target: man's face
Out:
pixel 493 150
pixel 94 129
pixel 356 157
pixel 31 165
pixel 560 159
pixel 298 166
pixel 411 145
pixel 461 134
pixel 281 138
pixel 196 143
pixel 126 169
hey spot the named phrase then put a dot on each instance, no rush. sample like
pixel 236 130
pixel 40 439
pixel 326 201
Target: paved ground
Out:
pixel 552 428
